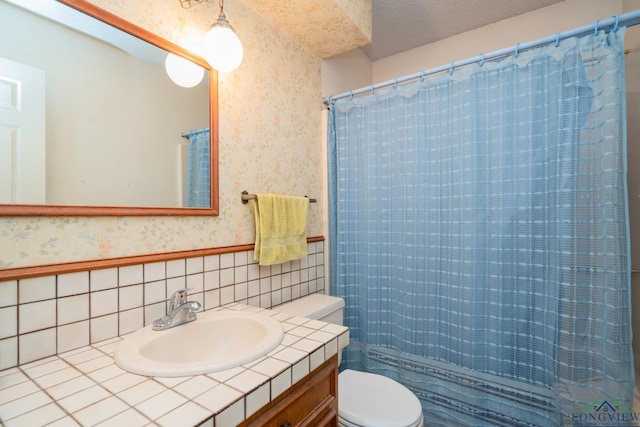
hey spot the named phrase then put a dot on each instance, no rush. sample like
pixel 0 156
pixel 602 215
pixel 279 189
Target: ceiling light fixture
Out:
pixel 221 46
pixel 190 3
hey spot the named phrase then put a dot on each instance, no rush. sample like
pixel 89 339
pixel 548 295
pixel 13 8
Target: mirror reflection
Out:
pixel 90 116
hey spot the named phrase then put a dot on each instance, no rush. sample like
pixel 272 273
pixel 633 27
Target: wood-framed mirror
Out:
pixel 106 144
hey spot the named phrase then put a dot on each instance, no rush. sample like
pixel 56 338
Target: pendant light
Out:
pixel 182 71
pixel 221 47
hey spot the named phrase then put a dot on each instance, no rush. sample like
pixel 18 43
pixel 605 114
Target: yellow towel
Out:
pixel 281 228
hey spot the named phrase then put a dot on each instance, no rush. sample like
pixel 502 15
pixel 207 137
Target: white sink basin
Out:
pixel 216 340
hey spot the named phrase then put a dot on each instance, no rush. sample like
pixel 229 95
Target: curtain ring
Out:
pixel 481 63
pixel 557 39
pixel 351 94
pixel 615 26
pixel 517 51
pixel 451 69
pixel 395 83
pixel 596 30
pixel 372 89
pixel 422 76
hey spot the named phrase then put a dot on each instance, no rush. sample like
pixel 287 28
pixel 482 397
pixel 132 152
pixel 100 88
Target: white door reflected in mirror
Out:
pixel 22 133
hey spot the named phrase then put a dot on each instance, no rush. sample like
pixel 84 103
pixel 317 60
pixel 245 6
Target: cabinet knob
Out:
pixel 285 425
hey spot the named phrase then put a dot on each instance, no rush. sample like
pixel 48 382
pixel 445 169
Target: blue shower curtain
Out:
pixel 198 187
pixel 479 235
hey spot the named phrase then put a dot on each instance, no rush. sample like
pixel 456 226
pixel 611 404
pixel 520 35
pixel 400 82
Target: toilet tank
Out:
pixel 316 306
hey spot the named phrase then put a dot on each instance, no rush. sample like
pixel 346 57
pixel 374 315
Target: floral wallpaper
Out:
pixel 269 141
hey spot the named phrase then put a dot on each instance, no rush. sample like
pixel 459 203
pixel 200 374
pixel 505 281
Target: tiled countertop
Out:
pixel 85 387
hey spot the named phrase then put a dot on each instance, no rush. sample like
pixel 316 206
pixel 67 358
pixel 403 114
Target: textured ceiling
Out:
pixel 325 27
pixel 400 25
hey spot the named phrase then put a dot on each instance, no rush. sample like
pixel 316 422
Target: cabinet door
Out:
pixel 312 402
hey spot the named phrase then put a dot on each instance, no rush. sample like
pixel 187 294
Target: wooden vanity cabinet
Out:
pixel 312 401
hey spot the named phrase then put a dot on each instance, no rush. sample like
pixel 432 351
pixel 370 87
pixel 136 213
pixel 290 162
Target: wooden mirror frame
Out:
pixel 79 210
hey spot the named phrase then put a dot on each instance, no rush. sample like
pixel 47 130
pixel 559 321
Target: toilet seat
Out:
pixel 344 423
pixel 371 400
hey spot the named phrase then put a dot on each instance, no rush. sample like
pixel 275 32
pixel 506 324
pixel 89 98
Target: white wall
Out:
pixel 349 70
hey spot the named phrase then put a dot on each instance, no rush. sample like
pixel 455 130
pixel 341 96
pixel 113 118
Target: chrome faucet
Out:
pixel 180 311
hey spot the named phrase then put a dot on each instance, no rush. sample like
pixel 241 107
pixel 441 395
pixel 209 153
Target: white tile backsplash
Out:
pixel 36 315
pixel 155 292
pixel 211 280
pixel 8 352
pixel 73 283
pixel 212 299
pixel 36 345
pixel 175 283
pixel 73 309
pixel 130 274
pixel 8 322
pixel 130 320
pixel 9 293
pixel 104 302
pixel 195 283
pixel 130 297
pixel 240 274
pixel 195 265
pixel 227 261
pixel 227 295
pixel 36 289
pixel 176 268
pixel 154 271
pixel 226 277
pixel 241 258
pixel 106 278
pixel 73 336
pixel 44 315
pixel 211 262
pixel 104 327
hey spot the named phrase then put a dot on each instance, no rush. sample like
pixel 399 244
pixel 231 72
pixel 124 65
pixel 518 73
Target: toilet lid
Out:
pixel 374 400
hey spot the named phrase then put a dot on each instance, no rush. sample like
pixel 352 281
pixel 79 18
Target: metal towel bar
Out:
pixel 246 197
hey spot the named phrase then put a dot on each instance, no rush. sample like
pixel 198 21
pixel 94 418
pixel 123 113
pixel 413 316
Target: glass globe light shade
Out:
pixel 221 47
pixel 182 71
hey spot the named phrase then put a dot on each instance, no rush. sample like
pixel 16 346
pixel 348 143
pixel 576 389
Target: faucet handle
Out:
pixel 178 298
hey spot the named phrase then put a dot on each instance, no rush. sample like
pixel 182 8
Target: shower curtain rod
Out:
pixel 191 133
pixel 625 20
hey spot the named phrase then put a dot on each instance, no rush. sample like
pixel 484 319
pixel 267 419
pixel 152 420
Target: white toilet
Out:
pixel 364 399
